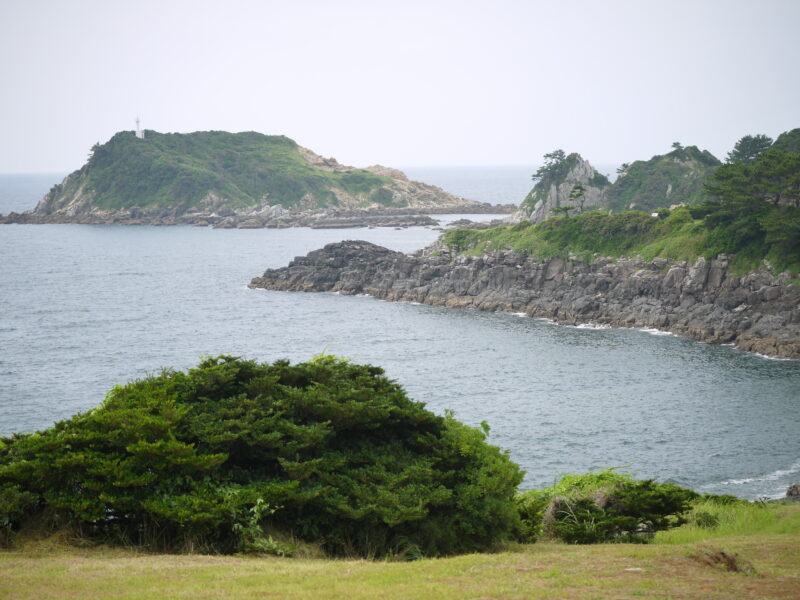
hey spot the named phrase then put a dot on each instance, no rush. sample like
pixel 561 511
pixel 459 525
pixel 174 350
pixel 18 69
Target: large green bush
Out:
pixel 216 458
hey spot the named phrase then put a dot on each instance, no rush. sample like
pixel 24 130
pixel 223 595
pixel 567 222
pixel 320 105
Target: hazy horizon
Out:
pixel 433 84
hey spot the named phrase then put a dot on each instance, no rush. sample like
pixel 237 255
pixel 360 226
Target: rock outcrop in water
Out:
pixel 758 311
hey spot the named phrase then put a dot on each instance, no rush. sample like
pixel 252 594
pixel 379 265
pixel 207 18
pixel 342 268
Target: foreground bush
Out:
pixel 603 506
pixel 217 458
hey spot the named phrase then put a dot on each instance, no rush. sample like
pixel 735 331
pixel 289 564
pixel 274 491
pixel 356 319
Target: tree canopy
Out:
pixel 214 458
pixel 748 148
pixel 756 205
pixel 556 166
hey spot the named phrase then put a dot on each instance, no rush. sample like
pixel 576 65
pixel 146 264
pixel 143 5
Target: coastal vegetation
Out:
pixel 665 179
pixel 222 457
pixel 751 211
pixel 329 459
pixel 678 177
pixel 603 506
pixel 553 173
pixel 236 456
pixel 179 170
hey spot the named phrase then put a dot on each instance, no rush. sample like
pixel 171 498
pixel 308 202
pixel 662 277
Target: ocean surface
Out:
pixel 84 308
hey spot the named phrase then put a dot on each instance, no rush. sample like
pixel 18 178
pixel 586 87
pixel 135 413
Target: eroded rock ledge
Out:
pixel 758 312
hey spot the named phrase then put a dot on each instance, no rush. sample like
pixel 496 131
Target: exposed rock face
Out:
pixel 404 192
pixel 703 301
pixel 551 193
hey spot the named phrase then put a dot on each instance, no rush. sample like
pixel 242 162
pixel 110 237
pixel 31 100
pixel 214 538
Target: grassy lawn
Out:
pixel 669 568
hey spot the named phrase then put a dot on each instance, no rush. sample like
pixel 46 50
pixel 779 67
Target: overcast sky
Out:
pixel 400 83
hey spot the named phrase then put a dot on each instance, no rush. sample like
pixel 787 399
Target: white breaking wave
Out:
pixel 771 357
pixel 545 319
pixel 652 331
pixel 593 326
pixel 774 476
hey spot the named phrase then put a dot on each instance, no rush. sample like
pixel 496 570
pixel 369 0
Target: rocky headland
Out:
pixel 758 311
pixel 556 186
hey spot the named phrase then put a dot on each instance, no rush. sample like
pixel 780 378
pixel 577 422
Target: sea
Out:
pixel 84 308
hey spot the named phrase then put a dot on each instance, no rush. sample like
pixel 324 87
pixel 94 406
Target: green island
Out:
pixel 245 179
pixel 178 170
pixel 324 480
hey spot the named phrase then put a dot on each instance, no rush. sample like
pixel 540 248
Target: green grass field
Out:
pixel 763 543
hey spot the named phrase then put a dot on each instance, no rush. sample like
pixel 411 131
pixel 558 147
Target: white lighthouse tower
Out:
pixel 139 132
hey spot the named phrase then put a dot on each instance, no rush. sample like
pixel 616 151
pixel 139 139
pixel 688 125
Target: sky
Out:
pixel 399 83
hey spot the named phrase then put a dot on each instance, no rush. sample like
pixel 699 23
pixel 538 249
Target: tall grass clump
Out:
pixel 714 518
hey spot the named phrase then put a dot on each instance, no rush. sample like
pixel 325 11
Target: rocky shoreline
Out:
pixel 758 311
pixel 273 217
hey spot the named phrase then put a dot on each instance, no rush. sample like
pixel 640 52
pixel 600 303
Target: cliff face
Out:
pixel 703 301
pixel 556 190
pixel 208 177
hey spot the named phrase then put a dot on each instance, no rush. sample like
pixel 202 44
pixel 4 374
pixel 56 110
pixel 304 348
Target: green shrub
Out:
pixel 326 451
pixel 531 506
pixel 705 519
pixel 582 521
pixel 602 506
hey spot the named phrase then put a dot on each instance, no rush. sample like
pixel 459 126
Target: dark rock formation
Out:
pixel 758 311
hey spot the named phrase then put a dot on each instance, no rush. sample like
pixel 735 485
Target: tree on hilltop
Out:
pixel 553 165
pixel 748 148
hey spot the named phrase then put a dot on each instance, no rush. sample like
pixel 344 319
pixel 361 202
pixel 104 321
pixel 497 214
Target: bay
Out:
pixel 87 307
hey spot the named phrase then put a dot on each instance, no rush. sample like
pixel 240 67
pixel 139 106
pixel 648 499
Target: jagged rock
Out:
pixel 672 296
pixel 554 191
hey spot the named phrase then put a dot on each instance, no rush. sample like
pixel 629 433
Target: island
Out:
pixel 242 180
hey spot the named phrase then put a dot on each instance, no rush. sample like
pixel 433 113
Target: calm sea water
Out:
pixel 87 307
